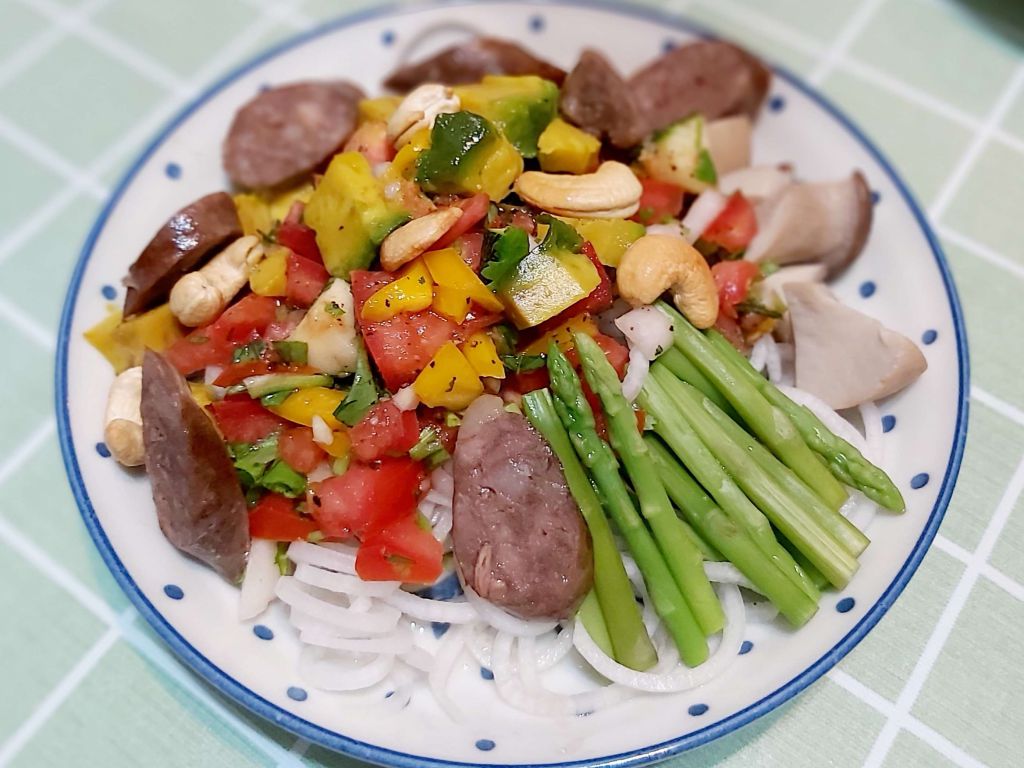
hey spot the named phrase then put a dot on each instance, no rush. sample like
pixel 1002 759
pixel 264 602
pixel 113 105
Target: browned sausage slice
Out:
pixel 597 99
pixel 286 132
pixel 178 246
pixel 710 77
pixel 198 498
pixel 518 537
pixel 468 62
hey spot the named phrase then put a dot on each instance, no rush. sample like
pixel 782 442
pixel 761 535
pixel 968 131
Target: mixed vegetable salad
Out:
pixel 488 352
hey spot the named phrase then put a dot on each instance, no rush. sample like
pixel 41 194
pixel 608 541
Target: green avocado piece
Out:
pixel 521 106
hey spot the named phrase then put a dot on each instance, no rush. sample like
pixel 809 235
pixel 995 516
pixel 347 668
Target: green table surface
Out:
pixel 939 84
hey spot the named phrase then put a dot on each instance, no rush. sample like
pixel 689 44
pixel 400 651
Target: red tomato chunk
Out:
pixel 366 497
pixel 384 431
pixel 275 517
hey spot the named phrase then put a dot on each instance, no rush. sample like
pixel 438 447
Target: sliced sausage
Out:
pixel 468 62
pixel 518 537
pixel 186 239
pixel 199 501
pixel 286 132
pixel 597 99
pixel 710 77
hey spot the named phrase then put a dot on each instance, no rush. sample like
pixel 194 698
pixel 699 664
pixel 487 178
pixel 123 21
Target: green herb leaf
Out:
pixel 768 268
pixel 281 478
pixel 340 465
pixel 752 305
pixel 560 236
pixel 315 537
pixel 252 459
pixel 429 448
pixel 276 398
pixel 334 309
pixel 452 419
pixel 363 393
pixel 505 338
pixel 508 249
pixel 250 352
pixel 292 351
pixel 284 565
pixel 704 170
pixel 520 363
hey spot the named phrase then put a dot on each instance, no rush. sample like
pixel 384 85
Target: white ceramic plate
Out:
pixel 901 279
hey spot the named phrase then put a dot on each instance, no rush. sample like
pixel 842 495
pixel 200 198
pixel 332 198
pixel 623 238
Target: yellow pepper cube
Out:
pixel 124 342
pixel 479 349
pixel 270 276
pixel 564 148
pixel 340 446
pixel 449 271
pixel 404 164
pixel 253 214
pixel 411 292
pixel 448 381
pixel 302 405
pixel 381 108
pixel 562 335
pixel 200 393
pixel 451 302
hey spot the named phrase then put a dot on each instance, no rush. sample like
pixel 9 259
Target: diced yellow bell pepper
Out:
pixel 303 404
pixel 448 381
pixel 457 285
pixel 270 276
pixel 404 164
pixel 564 148
pixel 123 343
pixel 479 349
pixel 258 213
pixel 610 237
pixel 562 335
pixel 341 445
pixel 380 108
pixel 412 291
pixel 200 393
pixel 546 283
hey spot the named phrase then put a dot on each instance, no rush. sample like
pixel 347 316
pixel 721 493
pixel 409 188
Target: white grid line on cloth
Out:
pixel 883 706
pixel 57 696
pixel 995 116
pixel 944 626
pixel 294 757
pixel 1011 586
pixel 114 47
pixel 981 251
pixel 836 51
pixel 26 449
pixel 47 157
pixel 26 324
pixel 1003 408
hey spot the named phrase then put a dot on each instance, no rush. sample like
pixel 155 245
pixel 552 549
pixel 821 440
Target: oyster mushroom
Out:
pixel 826 222
pixel 770 292
pixel 843 356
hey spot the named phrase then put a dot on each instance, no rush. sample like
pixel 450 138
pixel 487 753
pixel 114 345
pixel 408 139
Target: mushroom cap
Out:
pixel 843 356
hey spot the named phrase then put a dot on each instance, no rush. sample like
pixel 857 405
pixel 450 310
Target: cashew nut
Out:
pixel 658 263
pixel 198 297
pixel 612 191
pixel 122 424
pixel 415 237
pixel 418 111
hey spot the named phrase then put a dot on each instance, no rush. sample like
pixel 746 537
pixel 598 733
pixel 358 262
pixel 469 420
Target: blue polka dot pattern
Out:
pixel 888 422
pixel 173 171
pixel 439 628
pixel 929 336
pixel 484 745
pixel 668 45
pixel 536 23
pixel 746 647
pixel 108 292
pixel 486 674
pixel 102 450
pixel 875 196
pixel 846 605
pixel 173 591
pixel 867 289
pixel 696 710
pixel 389 694
pixel 297 694
pixel 263 632
pixel 919 480
pixel 387 37
pixel 776 104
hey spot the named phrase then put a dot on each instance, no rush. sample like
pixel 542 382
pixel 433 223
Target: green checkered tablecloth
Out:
pixel 938 83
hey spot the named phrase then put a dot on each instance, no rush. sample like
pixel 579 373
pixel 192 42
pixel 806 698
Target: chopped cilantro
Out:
pixel 292 351
pixel 362 395
pixel 507 250
pixel 704 170
pixel 520 363
pixel 249 352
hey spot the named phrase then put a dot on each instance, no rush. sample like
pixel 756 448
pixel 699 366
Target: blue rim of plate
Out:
pixel 231 688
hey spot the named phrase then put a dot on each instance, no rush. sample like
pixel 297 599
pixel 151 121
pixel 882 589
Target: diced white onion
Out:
pixel 758 355
pixel 406 399
pixel 320 472
pixel 705 209
pixel 636 374
pixel 321 432
pixel 647 329
pixel 261 575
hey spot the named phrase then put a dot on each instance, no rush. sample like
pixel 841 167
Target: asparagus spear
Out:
pixel 677 433
pixel 770 424
pixel 629 640
pixel 707 551
pixel 578 420
pixel 681 366
pixel 796 523
pixel 737 545
pixel 845 461
pixel 683 558
pixel 592 618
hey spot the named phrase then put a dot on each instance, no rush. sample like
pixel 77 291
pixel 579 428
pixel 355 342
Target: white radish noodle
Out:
pixel 261 575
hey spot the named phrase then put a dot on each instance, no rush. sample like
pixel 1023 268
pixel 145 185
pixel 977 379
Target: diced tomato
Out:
pixel 435 418
pixel 243 420
pixel 729 328
pixel 288 321
pixel 528 381
pixel 298 449
pixel 735 226
pixel 511 216
pixel 274 517
pixel 473 211
pixel 384 431
pixel 212 345
pixel 235 372
pixel 471 246
pixel 733 279
pixel 305 280
pixel 403 551
pixel 641 418
pixel 300 239
pixel 366 497
pixel 660 201
pixel 596 301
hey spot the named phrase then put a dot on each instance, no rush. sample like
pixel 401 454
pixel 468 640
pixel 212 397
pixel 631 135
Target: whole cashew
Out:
pixel 415 237
pixel 612 191
pixel 658 263
pixel 418 110
pixel 198 297
pixel 122 423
